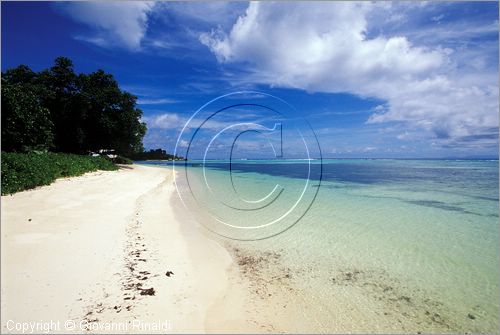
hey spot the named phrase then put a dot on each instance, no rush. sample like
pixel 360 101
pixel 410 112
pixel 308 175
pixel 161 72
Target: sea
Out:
pixel 385 245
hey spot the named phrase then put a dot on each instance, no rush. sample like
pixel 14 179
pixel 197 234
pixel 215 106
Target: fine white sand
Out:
pixel 84 249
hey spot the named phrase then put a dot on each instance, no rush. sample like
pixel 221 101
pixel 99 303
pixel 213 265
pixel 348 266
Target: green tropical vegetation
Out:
pixel 54 119
pixel 155 154
pixel 62 111
pixel 21 171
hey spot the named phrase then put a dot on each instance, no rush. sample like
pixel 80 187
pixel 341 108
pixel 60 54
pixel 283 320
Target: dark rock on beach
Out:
pixel 148 291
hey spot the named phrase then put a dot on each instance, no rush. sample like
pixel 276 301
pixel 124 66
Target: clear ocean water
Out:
pixel 413 241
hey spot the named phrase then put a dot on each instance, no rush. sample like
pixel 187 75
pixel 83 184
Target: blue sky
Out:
pixel 411 79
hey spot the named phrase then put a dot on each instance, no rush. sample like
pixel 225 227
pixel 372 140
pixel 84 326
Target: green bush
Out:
pixel 26 125
pixel 122 160
pixel 22 171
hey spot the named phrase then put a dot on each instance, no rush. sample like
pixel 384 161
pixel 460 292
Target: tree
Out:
pixel 19 75
pixel 63 101
pixel 112 119
pixel 88 112
pixel 26 124
pixel 156 154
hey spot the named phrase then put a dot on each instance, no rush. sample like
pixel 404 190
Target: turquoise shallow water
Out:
pixel 417 240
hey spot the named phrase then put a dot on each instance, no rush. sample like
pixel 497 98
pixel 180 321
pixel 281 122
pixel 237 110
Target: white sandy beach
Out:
pixel 84 249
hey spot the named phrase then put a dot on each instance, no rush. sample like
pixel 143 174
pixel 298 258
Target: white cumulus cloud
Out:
pixel 165 121
pixel 323 47
pixel 114 23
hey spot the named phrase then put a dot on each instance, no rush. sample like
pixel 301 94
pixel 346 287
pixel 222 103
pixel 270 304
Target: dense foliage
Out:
pixel 122 160
pixel 59 110
pixel 26 124
pixel 156 154
pixel 21 171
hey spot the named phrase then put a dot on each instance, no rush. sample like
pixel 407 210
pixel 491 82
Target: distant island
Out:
pixel 155 154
